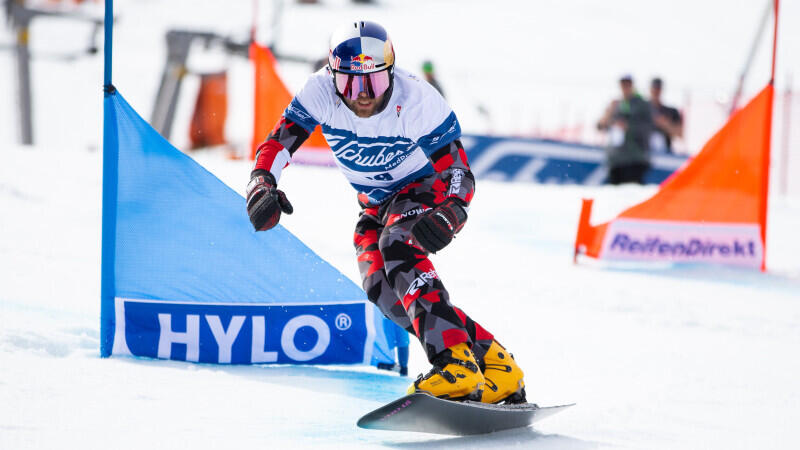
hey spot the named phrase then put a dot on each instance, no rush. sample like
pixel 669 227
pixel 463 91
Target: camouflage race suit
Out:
pixel 397 274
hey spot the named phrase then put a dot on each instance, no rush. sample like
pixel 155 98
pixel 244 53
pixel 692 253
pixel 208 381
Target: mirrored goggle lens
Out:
pixel 373 84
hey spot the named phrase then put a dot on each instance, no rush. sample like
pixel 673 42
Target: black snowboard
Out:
pixel 427 414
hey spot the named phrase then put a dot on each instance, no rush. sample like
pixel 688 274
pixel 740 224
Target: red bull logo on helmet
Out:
pixel 362 62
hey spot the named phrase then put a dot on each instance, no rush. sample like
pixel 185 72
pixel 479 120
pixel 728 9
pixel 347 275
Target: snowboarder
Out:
pixel 396 140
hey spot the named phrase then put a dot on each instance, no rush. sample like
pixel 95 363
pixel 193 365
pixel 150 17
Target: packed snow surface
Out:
pixel 655 357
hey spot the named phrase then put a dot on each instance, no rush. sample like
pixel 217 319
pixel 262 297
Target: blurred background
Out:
pixel 544 69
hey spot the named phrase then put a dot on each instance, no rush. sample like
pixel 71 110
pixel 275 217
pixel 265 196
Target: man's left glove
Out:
pixel 436 228
pixel 264 201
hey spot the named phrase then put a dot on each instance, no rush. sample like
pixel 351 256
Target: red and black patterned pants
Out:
pixel 397 274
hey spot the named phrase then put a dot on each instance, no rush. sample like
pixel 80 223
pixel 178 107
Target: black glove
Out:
pixel 264 201
pixel 436 228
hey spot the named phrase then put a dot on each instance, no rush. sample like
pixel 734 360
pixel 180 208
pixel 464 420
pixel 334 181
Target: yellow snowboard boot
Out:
pixel 503 377
pixel 455 376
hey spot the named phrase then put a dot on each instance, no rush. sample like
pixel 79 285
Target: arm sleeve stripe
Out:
pixel 281 161
pixel 300 115
pixel 448 131
pixel 267 153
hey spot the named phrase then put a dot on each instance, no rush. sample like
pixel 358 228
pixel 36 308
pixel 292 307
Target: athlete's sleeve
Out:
pixel 451 161
pixel 437 124
pixel 306 110
pixel 438 133
pixel 448 131
pixel 275 153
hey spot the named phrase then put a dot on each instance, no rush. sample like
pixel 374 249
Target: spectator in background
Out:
pixel 667 121
pixel 628 123
pixel 430 77
pixel 396 337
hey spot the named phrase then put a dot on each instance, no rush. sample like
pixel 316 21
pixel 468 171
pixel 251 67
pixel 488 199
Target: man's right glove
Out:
pixel 436 228
pixel 264 201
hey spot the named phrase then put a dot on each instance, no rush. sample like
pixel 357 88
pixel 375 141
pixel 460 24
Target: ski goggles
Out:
pixel 350 85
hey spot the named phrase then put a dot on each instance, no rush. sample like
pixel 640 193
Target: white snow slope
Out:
pixel 688 357
pixel 684 357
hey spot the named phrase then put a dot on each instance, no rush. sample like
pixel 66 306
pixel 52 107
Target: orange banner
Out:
pixel 207 127
pixel 271 98
pixel 713 210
